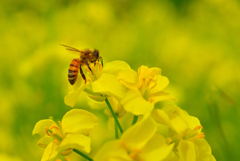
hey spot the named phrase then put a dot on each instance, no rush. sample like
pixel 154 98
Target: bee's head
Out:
pixel 96 54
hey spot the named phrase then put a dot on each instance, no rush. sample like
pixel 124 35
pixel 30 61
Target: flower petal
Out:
pixel 50 152
pixel 96 105
pixel 115 67
pixel 192 121
pixel 128 78
pixel 160 117
pixel 177 122
pixel 144 71
pixel 109 85
pixel 44 141
pixel 97 98
pixel 112 151
pixel 78 121
pixel 204 151
pixel 156 149
pixel 75 141
pixel 179 125
pixel 134 102
pixel 137 136
pixel 72 96
pixel 40 125
pixel 186 150
pixel 79 82
pixel 161 83
pixel 159 96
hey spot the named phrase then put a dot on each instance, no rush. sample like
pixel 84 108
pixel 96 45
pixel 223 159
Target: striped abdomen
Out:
pixel 73 71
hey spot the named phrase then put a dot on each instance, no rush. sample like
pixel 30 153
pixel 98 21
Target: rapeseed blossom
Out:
pixel 145 89
pixel 68 135
pixel 186 132
pixel 101 82
pixel 125 90
pixel 139 142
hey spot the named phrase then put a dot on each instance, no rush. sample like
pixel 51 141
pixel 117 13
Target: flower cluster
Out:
pixel 65 136
pixel 155 134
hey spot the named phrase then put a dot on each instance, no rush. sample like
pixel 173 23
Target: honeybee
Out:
pixel 87 56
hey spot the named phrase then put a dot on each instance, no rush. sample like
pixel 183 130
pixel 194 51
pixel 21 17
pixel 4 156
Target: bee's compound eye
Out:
pixel 96 54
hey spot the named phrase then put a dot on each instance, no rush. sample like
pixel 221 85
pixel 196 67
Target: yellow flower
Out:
pixel 101 84
pixel 69 135
pixel 186 132
pixel 197 149
pixel 145 89
pixel 139 142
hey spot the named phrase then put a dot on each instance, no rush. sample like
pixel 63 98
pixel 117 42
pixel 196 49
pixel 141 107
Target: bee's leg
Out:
pixel 89 67
pixel 101 60
pixel 82 74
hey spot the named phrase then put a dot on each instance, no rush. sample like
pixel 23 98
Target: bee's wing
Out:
pixel 71 49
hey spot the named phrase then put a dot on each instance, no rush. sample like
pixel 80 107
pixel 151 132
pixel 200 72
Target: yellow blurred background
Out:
pixel 195 43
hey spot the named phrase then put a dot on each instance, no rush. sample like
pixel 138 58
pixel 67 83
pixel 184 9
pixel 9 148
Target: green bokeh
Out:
pixel 194 42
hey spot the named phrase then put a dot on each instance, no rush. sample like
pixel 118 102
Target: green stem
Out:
pixel 135 118
pixel 114 115
pixel 83 155
pixel 116 131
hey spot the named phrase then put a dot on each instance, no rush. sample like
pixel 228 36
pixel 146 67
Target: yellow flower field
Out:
pixel 168 87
